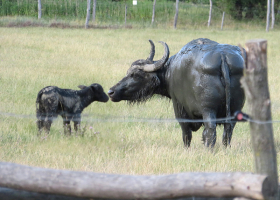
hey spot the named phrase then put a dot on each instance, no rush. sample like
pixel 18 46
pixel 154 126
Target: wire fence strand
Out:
pixel 109 118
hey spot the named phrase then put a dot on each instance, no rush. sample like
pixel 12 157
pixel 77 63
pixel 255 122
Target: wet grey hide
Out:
pixel 202 80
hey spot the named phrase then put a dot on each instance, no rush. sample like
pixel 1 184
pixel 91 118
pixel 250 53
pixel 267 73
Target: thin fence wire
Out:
pixel 109 118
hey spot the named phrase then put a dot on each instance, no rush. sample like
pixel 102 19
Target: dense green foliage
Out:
pixel 244 9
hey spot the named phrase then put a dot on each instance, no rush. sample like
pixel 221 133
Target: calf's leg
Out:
pixel 66 126
pixel 48 121
pixel 40 122
pixel 77 123
pixel 40 114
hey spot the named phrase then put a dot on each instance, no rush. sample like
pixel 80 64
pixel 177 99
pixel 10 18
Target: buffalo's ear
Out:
pixel 96 87
pixel 82 86
pixel 93 87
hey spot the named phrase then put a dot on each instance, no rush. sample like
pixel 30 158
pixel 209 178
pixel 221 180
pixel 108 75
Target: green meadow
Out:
pixel 118 137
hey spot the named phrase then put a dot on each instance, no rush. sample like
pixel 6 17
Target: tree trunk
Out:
pixel 39 9
pixel 113 186
pixel 210 13
pixel 176 14
pixel 267 15
pixel 256 89
pixel 272 14
pixel 93 11
pixel 88 13
pixel 154 8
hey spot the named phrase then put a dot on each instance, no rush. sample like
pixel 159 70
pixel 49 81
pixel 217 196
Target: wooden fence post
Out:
pixel 268 15
pixel 93 11
pixel 39 9
pixel 272 14
pixel 210 13
pixel 256 89
pixel 154 7
pixel 125 14
pixel 88 13
pixel 223 18
pixel 176 14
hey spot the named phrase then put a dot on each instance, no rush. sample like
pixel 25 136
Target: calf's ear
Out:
pixel 82 86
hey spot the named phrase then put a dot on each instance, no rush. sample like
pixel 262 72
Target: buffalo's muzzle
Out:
pixel 111 93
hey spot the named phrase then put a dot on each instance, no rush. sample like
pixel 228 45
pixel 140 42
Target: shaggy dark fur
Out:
pixel 69 104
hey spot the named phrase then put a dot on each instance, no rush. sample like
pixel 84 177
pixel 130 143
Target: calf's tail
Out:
pixel 38 103
pixel 226 76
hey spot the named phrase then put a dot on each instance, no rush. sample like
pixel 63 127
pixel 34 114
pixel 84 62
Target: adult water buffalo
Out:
pixel 202 80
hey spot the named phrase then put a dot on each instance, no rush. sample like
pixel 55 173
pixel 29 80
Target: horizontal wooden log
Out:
pixel 12 194
pixel 113 186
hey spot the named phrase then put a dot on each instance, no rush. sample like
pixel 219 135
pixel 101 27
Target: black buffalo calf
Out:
pixel 69 104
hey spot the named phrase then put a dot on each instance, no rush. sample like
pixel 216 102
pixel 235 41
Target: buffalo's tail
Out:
pixel 226 75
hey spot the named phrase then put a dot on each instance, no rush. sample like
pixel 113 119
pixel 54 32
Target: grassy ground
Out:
pixel 32 58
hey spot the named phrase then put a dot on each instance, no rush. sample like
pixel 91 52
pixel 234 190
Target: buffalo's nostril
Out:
pixel 110 92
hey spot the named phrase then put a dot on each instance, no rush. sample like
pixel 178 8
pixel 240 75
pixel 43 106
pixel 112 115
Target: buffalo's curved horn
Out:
pixel 152 52
pixel 158 64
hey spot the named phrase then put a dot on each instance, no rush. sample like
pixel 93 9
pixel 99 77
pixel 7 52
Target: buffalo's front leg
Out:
pixel 180 115
pixel 209 133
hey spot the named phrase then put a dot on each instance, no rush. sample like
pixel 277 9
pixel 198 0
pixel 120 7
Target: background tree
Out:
pixel 243 9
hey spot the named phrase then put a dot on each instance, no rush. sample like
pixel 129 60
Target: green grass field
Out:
pixel 113 142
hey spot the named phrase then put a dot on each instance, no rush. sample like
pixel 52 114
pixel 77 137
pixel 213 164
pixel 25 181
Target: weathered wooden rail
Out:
pixel 111 186
pixel 25 182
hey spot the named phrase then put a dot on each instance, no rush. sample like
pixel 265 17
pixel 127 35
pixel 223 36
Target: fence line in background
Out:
pixel 114 12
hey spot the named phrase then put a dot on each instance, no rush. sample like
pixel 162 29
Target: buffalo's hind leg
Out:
pixel 209 133
pixel 66 124
pixel 228 129
pixel 181 114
